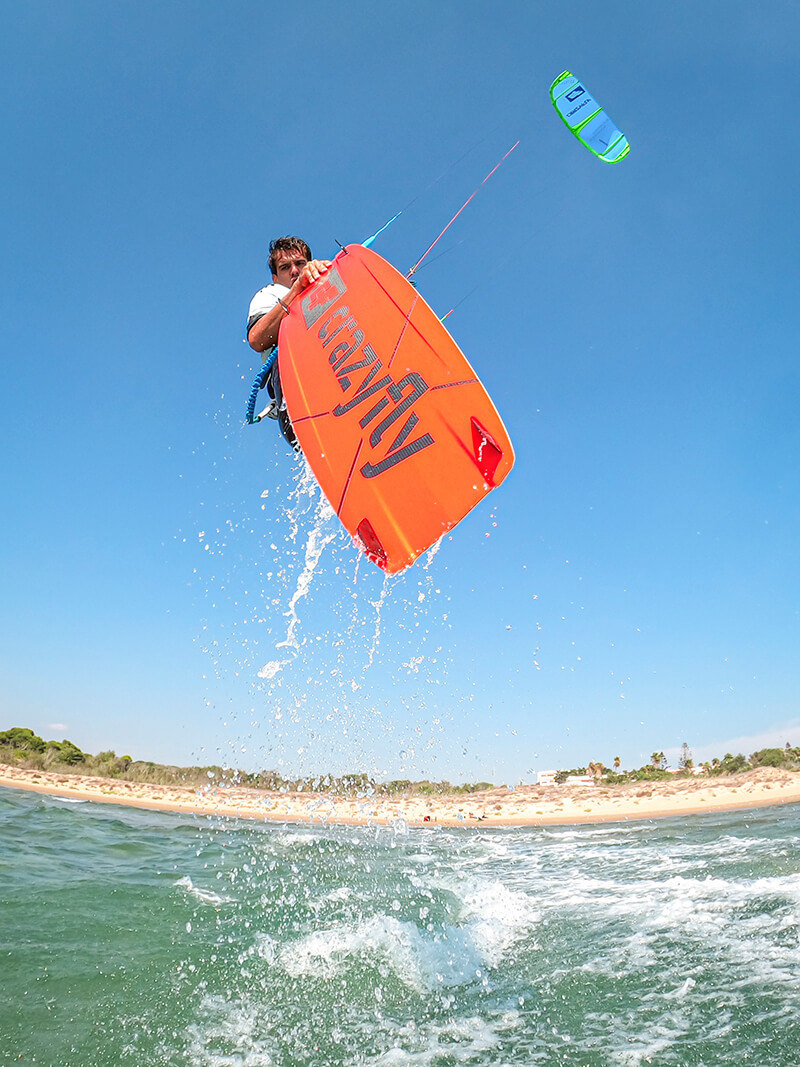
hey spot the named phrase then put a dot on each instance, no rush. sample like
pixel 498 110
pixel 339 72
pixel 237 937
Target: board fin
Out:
pixel 487 452
pixel 371 544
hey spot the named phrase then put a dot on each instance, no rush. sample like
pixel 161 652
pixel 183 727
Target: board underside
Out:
pixel 400 434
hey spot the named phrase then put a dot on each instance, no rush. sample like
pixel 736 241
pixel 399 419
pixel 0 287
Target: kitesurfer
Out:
pixel 293 269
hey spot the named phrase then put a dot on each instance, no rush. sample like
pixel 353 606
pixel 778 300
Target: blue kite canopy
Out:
pixel 582 114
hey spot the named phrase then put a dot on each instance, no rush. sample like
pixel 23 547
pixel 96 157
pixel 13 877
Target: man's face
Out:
pixel 288 266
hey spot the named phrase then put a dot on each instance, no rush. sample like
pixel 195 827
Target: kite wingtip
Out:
pixel 564 74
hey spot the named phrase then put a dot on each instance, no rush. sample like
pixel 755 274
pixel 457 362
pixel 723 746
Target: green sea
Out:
pixel 137 938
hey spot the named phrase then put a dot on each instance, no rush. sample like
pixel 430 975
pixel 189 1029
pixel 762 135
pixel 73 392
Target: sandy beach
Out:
pixel 525 805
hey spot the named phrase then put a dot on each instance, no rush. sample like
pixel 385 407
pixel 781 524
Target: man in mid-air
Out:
pixel 293 270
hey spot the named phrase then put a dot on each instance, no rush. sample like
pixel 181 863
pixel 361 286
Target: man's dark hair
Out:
pixel 286 244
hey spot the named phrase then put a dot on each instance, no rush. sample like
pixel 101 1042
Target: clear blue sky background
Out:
pixel 633 584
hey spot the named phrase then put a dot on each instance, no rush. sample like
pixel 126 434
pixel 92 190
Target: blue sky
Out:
pixel 632 585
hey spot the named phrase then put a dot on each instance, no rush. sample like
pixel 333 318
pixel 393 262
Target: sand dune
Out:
pixel 526 805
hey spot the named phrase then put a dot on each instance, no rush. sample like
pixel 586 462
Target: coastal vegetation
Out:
pixel 787 758
pixel 21 747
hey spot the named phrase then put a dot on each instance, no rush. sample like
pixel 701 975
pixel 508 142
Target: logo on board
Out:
pixel 322 295
pixel 383 403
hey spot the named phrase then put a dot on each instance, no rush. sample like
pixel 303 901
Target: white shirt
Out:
pixel 264 301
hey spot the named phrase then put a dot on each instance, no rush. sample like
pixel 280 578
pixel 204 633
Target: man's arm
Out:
pixel 263 334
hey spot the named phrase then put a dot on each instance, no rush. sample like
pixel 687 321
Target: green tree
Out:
pixel 770 757
pixel 70 753
pixel 729 764
pixel 21 737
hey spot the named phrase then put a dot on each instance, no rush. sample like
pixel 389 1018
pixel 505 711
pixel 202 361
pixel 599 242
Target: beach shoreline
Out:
pixel 525 805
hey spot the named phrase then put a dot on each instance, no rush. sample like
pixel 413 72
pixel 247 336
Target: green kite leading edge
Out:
pixel 582 114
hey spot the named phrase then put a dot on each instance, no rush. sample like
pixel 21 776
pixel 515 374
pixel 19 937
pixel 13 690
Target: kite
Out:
pixel 582 114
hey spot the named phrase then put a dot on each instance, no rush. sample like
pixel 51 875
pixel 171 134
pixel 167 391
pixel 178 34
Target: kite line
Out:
pixel 496 167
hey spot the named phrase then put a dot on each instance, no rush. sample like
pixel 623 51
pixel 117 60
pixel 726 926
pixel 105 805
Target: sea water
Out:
pixel 138 938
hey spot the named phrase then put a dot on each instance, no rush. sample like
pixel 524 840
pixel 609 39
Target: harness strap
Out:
pixel 259 382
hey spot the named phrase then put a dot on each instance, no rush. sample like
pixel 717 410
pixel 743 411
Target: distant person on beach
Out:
pixel 293 269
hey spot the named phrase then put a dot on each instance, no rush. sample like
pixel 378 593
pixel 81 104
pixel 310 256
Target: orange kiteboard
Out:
pixel 400 434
